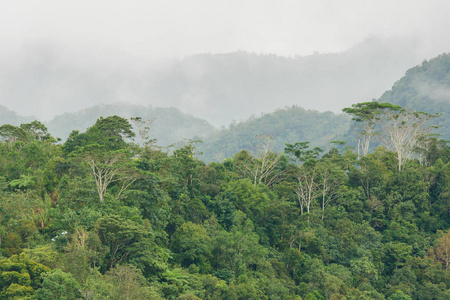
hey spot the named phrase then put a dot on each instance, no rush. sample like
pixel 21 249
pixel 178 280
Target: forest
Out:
pixel 110 215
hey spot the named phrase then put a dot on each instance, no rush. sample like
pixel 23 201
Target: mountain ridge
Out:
pixel 217 87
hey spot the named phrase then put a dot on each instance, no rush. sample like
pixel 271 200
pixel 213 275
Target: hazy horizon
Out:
pixel 59 56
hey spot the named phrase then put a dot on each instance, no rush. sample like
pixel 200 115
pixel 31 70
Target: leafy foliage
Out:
pixel 102 218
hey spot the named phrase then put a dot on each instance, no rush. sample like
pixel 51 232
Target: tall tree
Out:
pixel 301 151
pixel 265 168
pixel 330 177
pixel 368 115
pixel 143 127
pixel 110 167
pixel 441 250
pixel 104 148
pixel 404 130
pixel 307 188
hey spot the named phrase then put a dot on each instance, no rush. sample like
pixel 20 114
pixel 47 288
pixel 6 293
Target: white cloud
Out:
pixel 164 28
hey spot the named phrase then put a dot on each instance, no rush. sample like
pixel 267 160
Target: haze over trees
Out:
pixel 425 88
pixel 207 86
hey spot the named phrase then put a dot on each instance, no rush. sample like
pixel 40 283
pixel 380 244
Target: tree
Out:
pixel 110 167
pixel 104 149
pixel 185 168
pixel 129 241
pixel 115 128
pixel 143 128
pixel 404 130
pixel 238 249
pixel 302 152
pixel 20 276
pixel 306 187
pixel 10 134
pixel 441 250
pixel 330 177
pixel 59 285
pixel 192 245
pixel 110 133
pixel 128 283
pixel 37 131
pixel 265 168
pixel 368 115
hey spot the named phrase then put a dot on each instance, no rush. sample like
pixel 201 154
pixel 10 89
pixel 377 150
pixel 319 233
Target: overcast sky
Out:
pixel 155 28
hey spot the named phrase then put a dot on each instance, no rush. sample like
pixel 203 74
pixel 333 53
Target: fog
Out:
pixel 218 60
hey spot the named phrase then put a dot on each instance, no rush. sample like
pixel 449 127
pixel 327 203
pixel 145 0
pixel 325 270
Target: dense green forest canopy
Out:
pixel 102 217
pixel 287 125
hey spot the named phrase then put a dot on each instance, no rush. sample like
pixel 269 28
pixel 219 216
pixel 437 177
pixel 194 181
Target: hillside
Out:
pixel 425 87
pixel 288 125
pixel 10 117
pixel 219 88
pixel 212 86
pixel 99 218
pixel 170 125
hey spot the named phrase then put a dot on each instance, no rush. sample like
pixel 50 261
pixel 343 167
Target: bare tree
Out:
pixel 111 168
pixel 143 127
pixel 264 168
pixel 306 188
pixel 441 251
pixel 403 131
pixel 367 115
pixel 329 180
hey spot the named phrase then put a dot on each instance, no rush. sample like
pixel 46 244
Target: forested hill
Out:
pixel 216 87
pixel 289 125
pixel 212 86
pixel 10 117
pixel 425 88
pixel 170 124
pixel 98 217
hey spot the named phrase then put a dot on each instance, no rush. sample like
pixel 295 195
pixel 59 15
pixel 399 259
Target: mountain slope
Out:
pixel 170 125
pixel 10 117
pixel 216 87
pixel 288 125
pixel 425 87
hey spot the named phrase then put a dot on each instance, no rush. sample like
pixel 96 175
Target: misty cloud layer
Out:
pixel 45 79
pixel 218 60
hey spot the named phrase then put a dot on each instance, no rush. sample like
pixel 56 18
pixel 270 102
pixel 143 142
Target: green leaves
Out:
pixel 59 285
pixel 25 181
pixel 302 152
pixel 20 276
pixel 130 242
pixel 108 133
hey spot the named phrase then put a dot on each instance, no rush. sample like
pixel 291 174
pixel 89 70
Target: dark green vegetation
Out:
pixel 100 217
pixel 288 125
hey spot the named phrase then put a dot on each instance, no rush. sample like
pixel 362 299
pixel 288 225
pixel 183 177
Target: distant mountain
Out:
pixel 425 87
pixel 223 87
pixel 288 125
pixel 233 86
pixel 10 117
pixel 217 87
pixel 170 125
